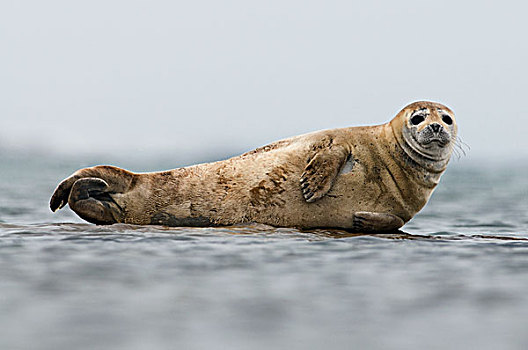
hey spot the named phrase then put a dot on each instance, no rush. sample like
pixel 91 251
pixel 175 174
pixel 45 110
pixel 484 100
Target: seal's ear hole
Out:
pixel 417 119
pixel 447 119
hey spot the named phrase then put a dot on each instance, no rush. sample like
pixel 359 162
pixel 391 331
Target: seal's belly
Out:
pixel 351 193
pixel 275 197
pixel 358 192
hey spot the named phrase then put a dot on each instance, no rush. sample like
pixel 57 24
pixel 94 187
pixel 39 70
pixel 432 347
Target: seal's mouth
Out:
pixel 435 140
pixel 433 147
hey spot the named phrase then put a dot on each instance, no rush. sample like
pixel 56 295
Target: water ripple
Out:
pixel 125 233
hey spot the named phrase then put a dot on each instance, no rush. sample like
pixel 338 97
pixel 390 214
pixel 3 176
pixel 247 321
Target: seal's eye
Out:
pixel 447 119
pixel 417 119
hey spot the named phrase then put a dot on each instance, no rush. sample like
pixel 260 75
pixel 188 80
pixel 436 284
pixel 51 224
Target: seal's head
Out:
pixel 426 131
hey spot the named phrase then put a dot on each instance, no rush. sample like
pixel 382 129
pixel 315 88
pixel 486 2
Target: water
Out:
pixel 456 277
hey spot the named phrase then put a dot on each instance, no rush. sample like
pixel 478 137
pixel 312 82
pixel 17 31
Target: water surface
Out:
pixel 455 277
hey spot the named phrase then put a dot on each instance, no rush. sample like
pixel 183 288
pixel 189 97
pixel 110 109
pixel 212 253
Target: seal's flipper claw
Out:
pixel 322 169
pixel 365 221
pixel 61 194
pixel 90 199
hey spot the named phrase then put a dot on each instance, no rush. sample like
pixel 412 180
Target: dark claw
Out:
pixel 60 197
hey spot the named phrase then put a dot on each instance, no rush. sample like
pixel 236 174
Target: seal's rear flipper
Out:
pixel 368 222
pixel 90 199
pixel 60 197
pixel 90 193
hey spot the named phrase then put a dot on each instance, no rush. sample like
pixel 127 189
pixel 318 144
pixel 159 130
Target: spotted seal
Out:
pixel 363 179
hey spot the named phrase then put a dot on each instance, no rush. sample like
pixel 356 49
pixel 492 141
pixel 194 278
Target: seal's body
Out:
pixel 369 179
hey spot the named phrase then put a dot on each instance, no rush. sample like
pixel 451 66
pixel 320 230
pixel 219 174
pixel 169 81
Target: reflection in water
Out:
pixel 447 236
pixel 250 230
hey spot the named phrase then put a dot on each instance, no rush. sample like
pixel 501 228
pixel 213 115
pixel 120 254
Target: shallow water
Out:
pixel 455 277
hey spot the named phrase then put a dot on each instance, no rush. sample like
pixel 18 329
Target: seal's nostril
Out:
pixel 436 127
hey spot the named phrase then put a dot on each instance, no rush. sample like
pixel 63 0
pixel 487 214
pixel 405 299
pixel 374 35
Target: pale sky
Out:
pixel 195 77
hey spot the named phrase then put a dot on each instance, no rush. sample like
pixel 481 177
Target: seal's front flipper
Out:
pixel 365 221
pixel 91 200
pixel 322 169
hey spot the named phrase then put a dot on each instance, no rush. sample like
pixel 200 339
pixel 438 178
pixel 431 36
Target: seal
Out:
pixel 362 179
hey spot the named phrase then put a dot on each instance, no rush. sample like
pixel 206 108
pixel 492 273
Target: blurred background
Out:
pixel 188 81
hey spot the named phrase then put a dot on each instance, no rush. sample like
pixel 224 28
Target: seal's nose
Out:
pixel 436 127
